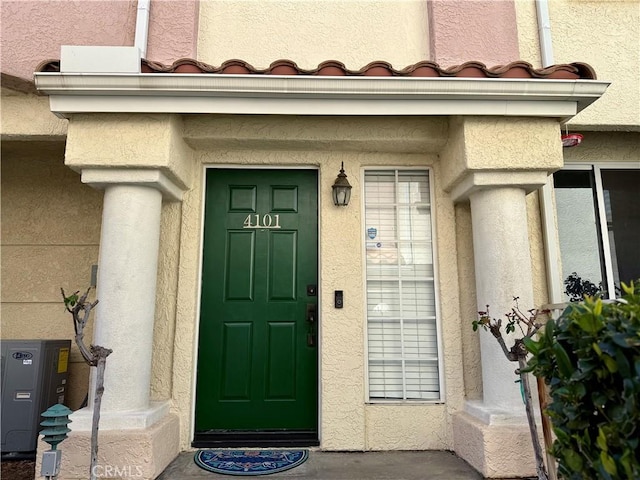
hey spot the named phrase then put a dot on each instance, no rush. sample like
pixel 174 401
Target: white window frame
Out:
pixel 436 286
pixel 550 227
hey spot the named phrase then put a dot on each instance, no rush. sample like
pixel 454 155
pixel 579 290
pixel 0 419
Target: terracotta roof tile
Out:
pixel 518 69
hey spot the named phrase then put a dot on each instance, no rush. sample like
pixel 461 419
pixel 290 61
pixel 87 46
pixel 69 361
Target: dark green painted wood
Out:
pixel 256 370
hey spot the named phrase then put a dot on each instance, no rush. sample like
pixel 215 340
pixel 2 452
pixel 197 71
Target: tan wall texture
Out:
pixel 310 31
pixel 50 236
pixel 27 116
pixel 605 34
pixel 124 141
pixel 606 147
pixel 347 421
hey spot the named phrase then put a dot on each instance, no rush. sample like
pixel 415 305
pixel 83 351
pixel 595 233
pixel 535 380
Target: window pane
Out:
pixel 416 259
pixel 385 379
pixel 418 299
pixel 380 187
pixel 382 222
pixel 383 298
pixel 384 338
pixel 412 189
pixel 401 313
pixel 621 195
pixel 422 380
pixel 420 339
pixel 414 223
pixel 578 225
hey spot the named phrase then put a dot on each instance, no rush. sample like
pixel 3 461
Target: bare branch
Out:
pixel 82 300
pixel 80 312
pixel 518 353
pixel 95 356
pixel 508 353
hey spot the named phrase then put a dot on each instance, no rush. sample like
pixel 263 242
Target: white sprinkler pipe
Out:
pixel 142 26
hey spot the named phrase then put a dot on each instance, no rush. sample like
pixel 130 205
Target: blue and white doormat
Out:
pixel 249 462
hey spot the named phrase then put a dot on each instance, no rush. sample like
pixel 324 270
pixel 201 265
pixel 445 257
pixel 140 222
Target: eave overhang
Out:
pixel 72 93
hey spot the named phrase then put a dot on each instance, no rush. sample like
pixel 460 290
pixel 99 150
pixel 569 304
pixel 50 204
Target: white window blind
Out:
pixel 401 307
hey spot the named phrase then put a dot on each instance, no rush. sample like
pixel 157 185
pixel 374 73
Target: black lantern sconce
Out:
pixel 341 189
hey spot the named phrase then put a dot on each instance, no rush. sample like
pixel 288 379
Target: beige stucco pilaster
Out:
pixel 130 141
pixel 140 162
pixel 494 164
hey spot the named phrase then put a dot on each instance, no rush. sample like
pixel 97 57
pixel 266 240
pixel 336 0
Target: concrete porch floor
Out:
pixel 424 465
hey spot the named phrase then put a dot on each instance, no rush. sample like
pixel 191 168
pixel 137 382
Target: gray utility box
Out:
pixel 34 377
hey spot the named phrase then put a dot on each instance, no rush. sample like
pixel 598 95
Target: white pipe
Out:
pixel 549 226
pixel 142 26
pixel 555 285
pixel 544 32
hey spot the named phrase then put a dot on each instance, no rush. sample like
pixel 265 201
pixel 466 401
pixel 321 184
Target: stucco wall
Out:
pixel 310 31
pixel 606 147
pixel 173 30
pixel 527 24
pixel 26 116
pixel 151 141
pixel 347 422
pixel 606 35
pixel 498 147
pixel 50 235
pixel 471 364
pixel 143 142
pixel 481 30
pixel 603 34
pixel 496 144
pixel 33 30
pixel 166 305
pixel 536 252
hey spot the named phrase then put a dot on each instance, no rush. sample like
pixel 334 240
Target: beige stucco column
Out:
pixel 126 289
pixel 493 164
pixel 503 271
pixel 139 161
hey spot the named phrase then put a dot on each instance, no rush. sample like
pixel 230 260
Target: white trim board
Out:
pixel 314 95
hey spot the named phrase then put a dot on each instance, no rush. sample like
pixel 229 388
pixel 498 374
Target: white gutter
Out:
pixel 142 26
pixel 314 95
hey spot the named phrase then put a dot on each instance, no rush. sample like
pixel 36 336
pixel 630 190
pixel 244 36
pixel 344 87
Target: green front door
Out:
pixel 257 354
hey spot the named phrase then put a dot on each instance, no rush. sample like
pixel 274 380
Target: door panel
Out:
pixel 283 266
pixel 236 364
pixel 257 369
pixel 281 366
pixel 239 266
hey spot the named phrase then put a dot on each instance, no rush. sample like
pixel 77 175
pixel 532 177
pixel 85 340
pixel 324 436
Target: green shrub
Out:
pixel 590 359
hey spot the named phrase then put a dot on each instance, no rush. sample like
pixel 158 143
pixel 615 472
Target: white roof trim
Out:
pixel 315 95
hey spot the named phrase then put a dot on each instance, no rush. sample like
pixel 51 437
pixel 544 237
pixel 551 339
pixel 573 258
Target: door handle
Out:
pixel 312 313
pixel 312 318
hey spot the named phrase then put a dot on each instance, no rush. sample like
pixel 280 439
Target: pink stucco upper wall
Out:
pixel 173 30
pixel 34 30
pixel 463 30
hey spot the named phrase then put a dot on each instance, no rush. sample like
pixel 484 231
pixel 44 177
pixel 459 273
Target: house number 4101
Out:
pixel 268 221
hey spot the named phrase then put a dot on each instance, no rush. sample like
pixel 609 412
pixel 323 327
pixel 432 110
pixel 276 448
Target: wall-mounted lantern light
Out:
pixel 341 189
